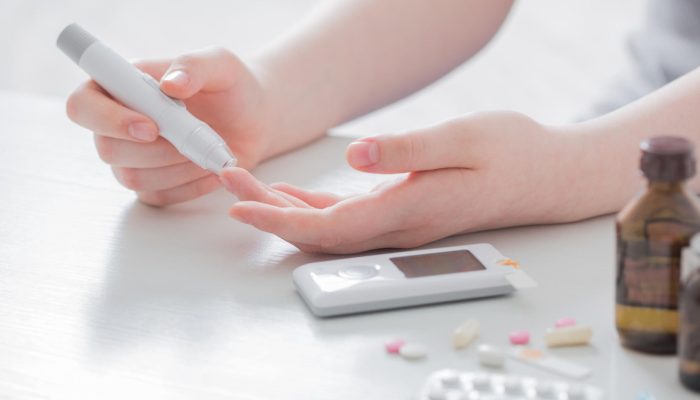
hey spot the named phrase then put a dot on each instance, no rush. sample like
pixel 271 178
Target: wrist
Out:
pixel 289 120
pixel 603 171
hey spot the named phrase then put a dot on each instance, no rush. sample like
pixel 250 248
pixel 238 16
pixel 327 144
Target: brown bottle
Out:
pixel 689 308
pixel 651 232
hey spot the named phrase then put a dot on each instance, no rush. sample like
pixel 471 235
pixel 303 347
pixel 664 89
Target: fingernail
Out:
pixel 227 182
pixel 363 154
pixel 180 78
pixel 143 131
pixel 238 217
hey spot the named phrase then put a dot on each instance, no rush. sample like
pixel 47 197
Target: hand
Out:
pixel 216 87
pixel 477 172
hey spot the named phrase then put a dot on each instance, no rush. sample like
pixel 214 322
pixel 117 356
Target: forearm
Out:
pixel 611 143
pixel 351 57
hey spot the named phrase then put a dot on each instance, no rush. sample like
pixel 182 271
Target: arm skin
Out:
pixel 348 58
pixel 354 56
pixel 476 172
pixel 612 141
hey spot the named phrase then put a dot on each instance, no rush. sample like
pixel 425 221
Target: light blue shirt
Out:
pixel 667 47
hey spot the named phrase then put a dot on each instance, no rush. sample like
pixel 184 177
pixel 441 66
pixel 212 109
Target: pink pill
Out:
pixel 393 346
pixel 565 322
pixel 519 337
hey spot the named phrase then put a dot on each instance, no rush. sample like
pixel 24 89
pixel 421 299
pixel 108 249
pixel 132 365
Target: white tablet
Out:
pixel 407 278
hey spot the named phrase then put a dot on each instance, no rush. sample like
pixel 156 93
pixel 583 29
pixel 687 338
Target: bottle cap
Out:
pixel 667 158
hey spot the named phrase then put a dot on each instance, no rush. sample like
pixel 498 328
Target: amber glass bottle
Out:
pixel 689 308
pixel 651 232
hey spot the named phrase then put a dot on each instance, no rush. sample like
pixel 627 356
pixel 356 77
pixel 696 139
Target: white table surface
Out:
pixel 103 297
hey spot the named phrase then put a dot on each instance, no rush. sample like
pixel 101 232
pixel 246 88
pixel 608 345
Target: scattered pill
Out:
pixel 393 346
pixel 569 336
pixel 538 358
pixel 519 337
pixel 530 354
pixel 465 333
pixel 413 351
pixel 565 322
pixel 490 356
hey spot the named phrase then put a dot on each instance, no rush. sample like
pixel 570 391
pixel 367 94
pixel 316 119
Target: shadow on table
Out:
pixel 181 270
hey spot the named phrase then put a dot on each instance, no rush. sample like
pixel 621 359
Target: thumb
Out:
pixel 443 146
pixel 211 69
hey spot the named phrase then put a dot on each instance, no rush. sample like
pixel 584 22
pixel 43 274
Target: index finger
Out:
pixel 349 221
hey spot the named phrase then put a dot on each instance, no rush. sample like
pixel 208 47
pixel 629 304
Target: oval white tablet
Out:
pixel 465 333
pixel 413 351
pixel 490 356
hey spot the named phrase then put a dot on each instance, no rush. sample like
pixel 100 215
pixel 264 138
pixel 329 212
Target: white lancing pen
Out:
pixel 140 92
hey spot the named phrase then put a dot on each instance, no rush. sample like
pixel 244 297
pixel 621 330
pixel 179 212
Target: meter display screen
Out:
pixel 449 262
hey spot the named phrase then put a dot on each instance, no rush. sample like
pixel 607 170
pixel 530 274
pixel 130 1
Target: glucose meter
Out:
pixel 407 278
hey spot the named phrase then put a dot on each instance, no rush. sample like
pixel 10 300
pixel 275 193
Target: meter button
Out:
pixel 358 272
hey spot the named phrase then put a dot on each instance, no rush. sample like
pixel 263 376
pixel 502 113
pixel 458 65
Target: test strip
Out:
pixel 540 359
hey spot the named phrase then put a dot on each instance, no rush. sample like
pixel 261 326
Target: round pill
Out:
pixel 490 356
pixel 393 346
pixel 413 351
pixel 565 322
pixel 519 337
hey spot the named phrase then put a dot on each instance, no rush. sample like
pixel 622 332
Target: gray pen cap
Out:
pixel 73 41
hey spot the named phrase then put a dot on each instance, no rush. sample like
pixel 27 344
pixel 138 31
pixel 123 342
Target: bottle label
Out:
pixel 649 268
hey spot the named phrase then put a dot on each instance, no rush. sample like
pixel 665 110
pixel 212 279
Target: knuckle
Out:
pixel 189 60
pixel 220 52
pixel 223 57
pixel 105 148
pixel 77 100
pixel 130 178
pixel 72 106
pixel 411 149
pixel 156 199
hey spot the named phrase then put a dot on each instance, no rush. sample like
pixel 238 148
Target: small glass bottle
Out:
pixel 651 232
pixel 689 308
